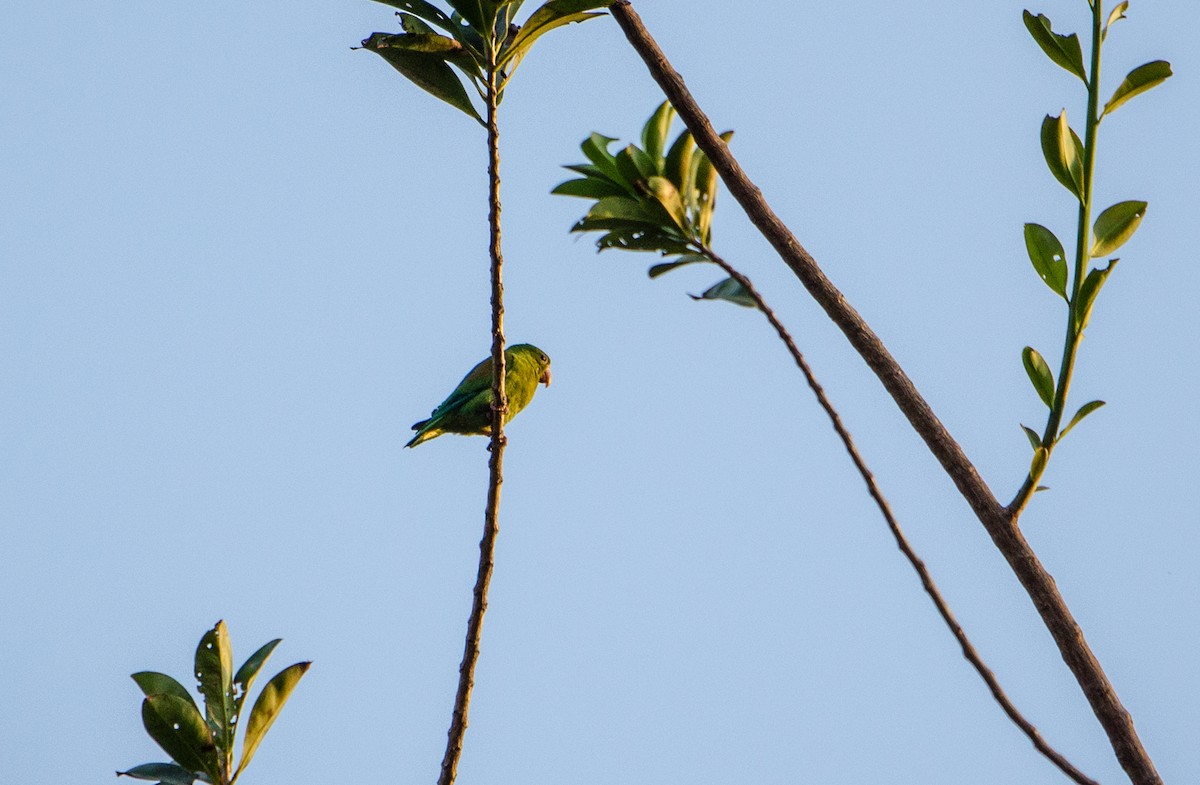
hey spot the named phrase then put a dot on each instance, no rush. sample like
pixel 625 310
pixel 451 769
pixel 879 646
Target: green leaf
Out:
pixel 706 189
pixel 1063 152
pixel 1062 49
pixel 1114 15
pixel 165 773
pixel 425 10
pixel 1087 294
pixel 729 290
pixel 246 674
pixel 679 163
pixel 214 671
pixel 664 194
pixel 595 147
pixel 635 166
pixel 153 683
pixel 1048 257
pixel 589 187
pixel 654 134
pixel 177 727
pixel 411 23
pixel 685 259
pixel 1115 226
pixel 1137 82
pixel 1084 411
pixel 622 208
pixel 1039 373
pixel 267 708
pixel 1038 465
pixel 1035 440
pixel 480 14
pixel 428 71
pixel 552 14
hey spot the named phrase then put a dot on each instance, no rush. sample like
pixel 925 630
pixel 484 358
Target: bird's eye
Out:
pixel 545 359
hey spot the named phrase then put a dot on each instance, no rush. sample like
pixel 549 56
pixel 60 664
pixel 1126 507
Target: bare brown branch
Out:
pixel 968 649
pixel 999 523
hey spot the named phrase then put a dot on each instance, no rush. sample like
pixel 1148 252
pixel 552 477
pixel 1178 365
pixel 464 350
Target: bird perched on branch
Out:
pixel 468 410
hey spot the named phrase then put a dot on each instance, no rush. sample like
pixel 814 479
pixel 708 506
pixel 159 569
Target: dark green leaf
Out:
pixel 640 238
pixel 1035 440
pixel 635 166
pixel 552 14
pixel 587 170
pixel 1087 294
pixel 214 671
pixel 480 14
pixel 622 208
pixel 1062 49
pixel 589 187
pixel 267 707
pixel 165 773
pixel 179 729
pixel 1139 81
pixel 428 71
pixel 666 267
pixel 1048 257
pixel 679 163
pixel 1041 488
pixel 414 24
pixel 427 11
pixel 246 674
pixel 1039 374
pixel 595 147
pixel 729 290
pixel 1084 411
pixel 1115 226
pixel 153 683
pixel 654 134
pixel 1063 152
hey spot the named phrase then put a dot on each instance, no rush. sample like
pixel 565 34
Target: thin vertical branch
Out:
pixel 491 525
pixel 1000 524
pixel 943 609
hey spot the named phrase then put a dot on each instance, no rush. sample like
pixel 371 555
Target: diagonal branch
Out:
pixel 968 649
pixel 1000 524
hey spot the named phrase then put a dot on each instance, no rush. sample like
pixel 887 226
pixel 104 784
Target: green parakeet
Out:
pixel 468 410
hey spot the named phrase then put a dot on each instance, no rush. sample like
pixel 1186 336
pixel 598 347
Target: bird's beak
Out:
pixel 545 377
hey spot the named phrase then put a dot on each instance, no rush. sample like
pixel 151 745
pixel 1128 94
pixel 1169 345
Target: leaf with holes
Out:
pixel 1048 257
pixel 1115 226
pixel 214 671
pixel 177 727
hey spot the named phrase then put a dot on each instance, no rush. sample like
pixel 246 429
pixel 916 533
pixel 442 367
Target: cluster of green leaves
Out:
pixel 1071 162
pixel 654 198
pixel 201 745
pixel 476 35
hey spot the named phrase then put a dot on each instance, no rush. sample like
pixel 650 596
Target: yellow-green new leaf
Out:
pixel 664 193
pixel 177 727
pixel 1039 373
pixel 654 134
pixel 267 708
pixel 1139 81
pixel 678 165
pixel 1115 226
pixel 1113 16
pixel 1038 465
pixel 1062 49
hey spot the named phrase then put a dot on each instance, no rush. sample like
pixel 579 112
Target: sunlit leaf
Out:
pixel 1137 82
pixel 1115 226
pixel 1064 152
pixel 665 195
pixel 1035 440
pixel 1062 49
pixel 1113 16
pixel 654 134
pixel 1084 411
pixel 1048 257
pixel 635 166
pixel 266 709
pixel 244 678
pixel 1038 465
pixel 182 733
pixel 552 14
pixel 706 188
pixel 729 290
pixel 622 208
pixel 1039 373
pixel 166 773
pixel 679 163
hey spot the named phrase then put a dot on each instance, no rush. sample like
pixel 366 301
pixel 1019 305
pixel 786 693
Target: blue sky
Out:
pixel 238 259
